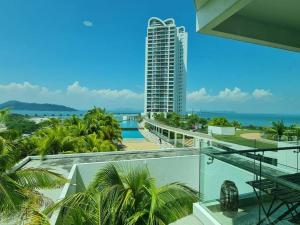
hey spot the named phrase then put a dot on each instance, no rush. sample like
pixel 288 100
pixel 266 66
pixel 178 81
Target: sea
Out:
pixel 245 119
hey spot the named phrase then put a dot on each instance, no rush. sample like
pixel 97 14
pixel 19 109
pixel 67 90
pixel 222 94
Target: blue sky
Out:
pixel 90 52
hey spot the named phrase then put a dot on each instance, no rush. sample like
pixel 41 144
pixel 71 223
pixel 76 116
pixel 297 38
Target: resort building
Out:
pixel 238 185
pixel 165 67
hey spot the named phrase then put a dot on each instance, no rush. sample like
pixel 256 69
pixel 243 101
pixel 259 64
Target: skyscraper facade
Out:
pixel 165 67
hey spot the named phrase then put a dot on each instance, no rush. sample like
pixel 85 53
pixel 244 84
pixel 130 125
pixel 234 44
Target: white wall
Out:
pixel 166 170
pixel 287 158
pixel 221 130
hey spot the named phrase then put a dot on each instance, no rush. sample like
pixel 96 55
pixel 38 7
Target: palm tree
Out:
pixel 19 189
pixel 192 121
pixel 73 120
pixel 3 114
pixel 126 197
pixel 219 121
pixel 102 123
pixel 174 119
pixel 56 140
pixel 289 133
pixel 278 129
pixel 236 124
pixel 38 218
pixel 79 129
pixel 297 133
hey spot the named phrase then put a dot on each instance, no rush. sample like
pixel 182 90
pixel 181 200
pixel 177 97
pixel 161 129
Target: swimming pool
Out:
pixel 130 133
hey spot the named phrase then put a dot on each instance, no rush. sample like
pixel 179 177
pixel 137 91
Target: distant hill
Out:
pixel 16 105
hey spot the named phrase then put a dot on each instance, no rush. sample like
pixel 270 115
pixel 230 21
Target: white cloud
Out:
pixel 26 90
pixel 75 95
pixel 261 93
pixel 82 97
pixel 110 94
pixel 235 94
pixel 232 99
pixel 87 23
pixel 200 95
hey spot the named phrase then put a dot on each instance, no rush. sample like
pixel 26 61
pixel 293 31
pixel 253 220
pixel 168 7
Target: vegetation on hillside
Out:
pixel 17 105
pixel 21 124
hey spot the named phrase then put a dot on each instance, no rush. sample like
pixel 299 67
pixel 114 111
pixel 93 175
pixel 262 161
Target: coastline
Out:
pixel 245 119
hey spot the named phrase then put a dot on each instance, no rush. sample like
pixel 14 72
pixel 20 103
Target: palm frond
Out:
pixel 107 178
pixel 38 218
pixel 11 196
pixel 38 178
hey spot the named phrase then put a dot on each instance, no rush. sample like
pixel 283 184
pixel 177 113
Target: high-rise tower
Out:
pixel 165 67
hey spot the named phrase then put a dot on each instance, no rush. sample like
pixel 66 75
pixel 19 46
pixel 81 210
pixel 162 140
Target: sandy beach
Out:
pixel 39 119
pixel 251 136
pixel 257 136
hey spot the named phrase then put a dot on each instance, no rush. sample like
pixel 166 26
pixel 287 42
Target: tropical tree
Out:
pixel 19 189
pixel 10 134
pixel 203 122
pixel 126 197
pixel 51 122
pixel 289 133
pixel 102 123
pixel 93 144
pixel 55 140
pixel 297 133
pixel 27 146
pixel 20 123
pixel 192 121
pixel 236 124
pixel 278 128
pixel 160 117
pixel 79 129
pixel 37 218
pixel 174 119
pixel 219 121
pixel 97 131
pixel 3 114
pixel 73 120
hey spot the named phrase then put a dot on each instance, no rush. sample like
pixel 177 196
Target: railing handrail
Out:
pixel 233 151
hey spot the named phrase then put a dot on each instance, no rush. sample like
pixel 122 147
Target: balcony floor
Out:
pixel 189 220
pixel 246 215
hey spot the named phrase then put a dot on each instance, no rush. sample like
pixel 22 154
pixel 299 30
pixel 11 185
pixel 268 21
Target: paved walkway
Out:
pixel 178 130
pixel 153 138
pixel 189 220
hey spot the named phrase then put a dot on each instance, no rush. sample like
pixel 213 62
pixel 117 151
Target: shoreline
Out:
pixel 246 119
